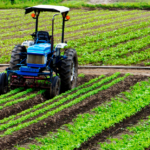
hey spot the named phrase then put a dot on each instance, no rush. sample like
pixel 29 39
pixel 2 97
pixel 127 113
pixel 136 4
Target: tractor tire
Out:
pixel 16 58
pixel 55 87
pixel 69 70
pixel 3 83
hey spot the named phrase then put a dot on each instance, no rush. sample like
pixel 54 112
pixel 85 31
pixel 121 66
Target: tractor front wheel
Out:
pixel 69 70
pixel 55 87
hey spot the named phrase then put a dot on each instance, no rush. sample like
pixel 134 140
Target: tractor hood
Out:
pixel 39 49
pixel 37 55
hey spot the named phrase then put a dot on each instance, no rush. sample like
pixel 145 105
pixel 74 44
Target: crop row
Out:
pixel 12 101
pixel 117 55
pixel 49 101
pixel 113 53
pixel 91 47
pixel 43 22
pixel 79 42
pixel 88 125
pixel 11 93
pixel 70 29
pixel 94 89
pixel 44 15
pixel 5 50
pixel 135 58
pixel 4 100
pixel 45 18
pixel 139 138
pixel 27 31
pixel 91 43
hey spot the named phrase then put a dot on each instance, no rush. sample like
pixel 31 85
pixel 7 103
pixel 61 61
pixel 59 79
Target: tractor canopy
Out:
pixel 51 8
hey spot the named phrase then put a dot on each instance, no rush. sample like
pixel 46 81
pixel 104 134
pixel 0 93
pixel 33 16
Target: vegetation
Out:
pixel 107 44
pixel 5 4
pixel 107 115
pixel 82 75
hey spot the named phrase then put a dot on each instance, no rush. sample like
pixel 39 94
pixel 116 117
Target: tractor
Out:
pixel 38 64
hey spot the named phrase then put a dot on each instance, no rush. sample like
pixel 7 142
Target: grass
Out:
pixel 6 4
pixel 121 4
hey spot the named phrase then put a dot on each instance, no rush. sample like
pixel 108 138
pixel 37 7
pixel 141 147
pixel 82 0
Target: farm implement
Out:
pixel 34 63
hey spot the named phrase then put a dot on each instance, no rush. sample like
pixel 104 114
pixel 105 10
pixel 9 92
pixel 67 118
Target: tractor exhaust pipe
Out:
pixel 52 38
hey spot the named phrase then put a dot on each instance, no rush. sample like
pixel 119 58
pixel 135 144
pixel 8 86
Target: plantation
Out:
pixel 103 112
pixel 102 101
pixel 117 37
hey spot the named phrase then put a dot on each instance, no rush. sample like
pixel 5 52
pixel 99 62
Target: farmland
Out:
pixel 28 113
pixel 105 111
pixel 100 37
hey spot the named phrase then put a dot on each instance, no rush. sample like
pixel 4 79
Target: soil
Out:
pixel 105 71
pixel 66 116
pixel 120 128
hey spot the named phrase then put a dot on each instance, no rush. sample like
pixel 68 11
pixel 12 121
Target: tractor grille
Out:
pixel 35 59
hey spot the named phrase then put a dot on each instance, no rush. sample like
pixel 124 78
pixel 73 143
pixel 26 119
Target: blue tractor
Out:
pixel 38 64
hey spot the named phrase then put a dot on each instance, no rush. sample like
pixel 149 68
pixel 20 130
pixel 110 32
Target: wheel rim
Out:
pixel 73 74
pixel 58 87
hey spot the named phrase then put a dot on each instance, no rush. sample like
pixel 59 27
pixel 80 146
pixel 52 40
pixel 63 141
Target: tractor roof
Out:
pixel 50 8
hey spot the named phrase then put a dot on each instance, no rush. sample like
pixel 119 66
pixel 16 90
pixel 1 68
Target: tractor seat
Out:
pixel 42 37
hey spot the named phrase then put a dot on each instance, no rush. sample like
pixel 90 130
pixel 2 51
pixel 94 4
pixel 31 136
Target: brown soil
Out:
pixel 120 128
pixel 16 108
pixel 81 81
pixel 65 116
pixel 105 71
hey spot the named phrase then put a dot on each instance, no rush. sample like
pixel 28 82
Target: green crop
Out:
pixel 88 125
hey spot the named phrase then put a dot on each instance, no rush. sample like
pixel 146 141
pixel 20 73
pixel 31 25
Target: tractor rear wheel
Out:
pixel 69 70
pixel 3 83
pixel 55 87
pixel 16 57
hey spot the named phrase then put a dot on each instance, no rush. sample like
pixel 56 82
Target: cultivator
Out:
pixel 32 82
pixel 33 63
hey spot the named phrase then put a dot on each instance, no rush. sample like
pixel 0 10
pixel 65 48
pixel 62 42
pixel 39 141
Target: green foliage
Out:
pixel 87 125
pixel 121 5
pixel 25 3
pixel 115 43
pixel 82 75
pixel 11 92
pixel 51 100
pixel 98 48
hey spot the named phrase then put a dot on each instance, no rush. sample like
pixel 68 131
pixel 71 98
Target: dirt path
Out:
pixel 105 71
pixel 2 69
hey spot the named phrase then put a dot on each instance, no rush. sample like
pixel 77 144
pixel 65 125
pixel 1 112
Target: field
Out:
pixel 105 111
pixel 101 37
pixel 99 107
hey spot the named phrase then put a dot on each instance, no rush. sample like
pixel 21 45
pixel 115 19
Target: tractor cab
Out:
pixel 43 42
